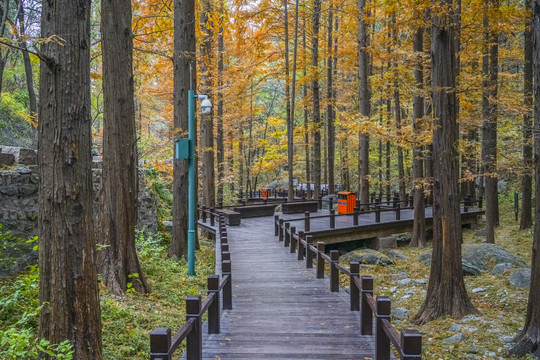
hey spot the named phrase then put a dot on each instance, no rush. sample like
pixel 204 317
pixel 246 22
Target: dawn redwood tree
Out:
pixel 118 197
pixel 316 99
pixel 364 97
pixel 528 340
pixel 330 111
pixel 184 80
pixel 68 285
pixel 446 294
pixel 288 115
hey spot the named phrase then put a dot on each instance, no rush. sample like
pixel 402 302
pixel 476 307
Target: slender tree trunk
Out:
pixel 26 59
pixel 184 80
pixel 388 152
pixel 316 100
pixel 419 225
pixel 330 107
pixel 4 11
pixel 118 197
pixel 68 284
pixel 526 180
pixel 220 151
pixel 446 294
pixel 364 97
pixel 528 340
pixel 293 99
pixel 489 127
pixel 207 121
pixel 306 115
pixel 289 120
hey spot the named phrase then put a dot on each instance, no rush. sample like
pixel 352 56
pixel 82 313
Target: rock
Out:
pixel 481 233
pixel 521 278
pixel 367 256
pixel 278 209
pixel 168 226
pixel 400 313
pixel 326 201
pixel 426 258
pixel 473 349
pixel 477 290
pixel 421 281
pixel 396 255
pixel 472 318
pixel 455 338
pixel 403 238
pixel 401 275
pixel 455 328
pixel 404 282
pixel 470 269
pixel 500 268
pixel 7 159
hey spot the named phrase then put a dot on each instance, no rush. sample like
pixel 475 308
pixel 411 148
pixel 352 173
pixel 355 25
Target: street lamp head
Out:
pixel 206 106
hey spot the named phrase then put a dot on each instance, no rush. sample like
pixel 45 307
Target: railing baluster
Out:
pixel 332 218
pixel 300 255
pixel 309 253
pixel 366 315
pixel 287 234
pixel 320 260
pixel 377 213
pixel 213 310
pixel 292 243
pixel 355 216
pixel 398 210
pixel 276 225
pixel 334 272
pixel 194 338
pixel 281 229
pixel 307 221
pixel 411 344
pixel 212 218
pixel 227 289
pixel 160 343
pixel 204 213
pixel 354 292
pixel 382 342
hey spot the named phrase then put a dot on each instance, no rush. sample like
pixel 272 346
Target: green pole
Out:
pixel 191 195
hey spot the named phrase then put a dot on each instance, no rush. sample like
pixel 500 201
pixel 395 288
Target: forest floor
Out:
pixel 502 305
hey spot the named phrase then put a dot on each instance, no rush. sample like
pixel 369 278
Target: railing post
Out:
pixel 330 203
pixel 309 253
pixel 320 260
pixel 224 248
pixel 281 229
pixel 411 201
pixel 292 244
pixel 276 225
pixel 307 221
pixel 194 338
pixel 212 219
pixel 355 217
pixel 377 213
pixel 354 292
pixel 160 343
pixel 411 344
pixel 320 202
pixel 332 218
pixel 366 315
pixel 334 272
pixel 300 255
pixel 213 310
pixel 225 255
pixel 398 211
pixel 204 213
pixel 227 289
pixel 382 342
pixel 287 234
pixel 480 204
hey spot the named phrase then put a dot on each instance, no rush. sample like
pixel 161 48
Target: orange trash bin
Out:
pixel 346 202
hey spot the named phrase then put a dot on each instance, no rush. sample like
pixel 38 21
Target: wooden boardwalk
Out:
pixel 280 310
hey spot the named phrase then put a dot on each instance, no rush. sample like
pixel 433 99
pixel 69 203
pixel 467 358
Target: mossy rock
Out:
pixel 367 257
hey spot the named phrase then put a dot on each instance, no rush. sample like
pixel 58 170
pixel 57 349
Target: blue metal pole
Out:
pixel 191 195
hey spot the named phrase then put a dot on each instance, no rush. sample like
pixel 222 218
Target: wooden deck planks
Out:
pixel 280 310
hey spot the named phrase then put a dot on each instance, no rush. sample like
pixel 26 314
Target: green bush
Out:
pixel 15 126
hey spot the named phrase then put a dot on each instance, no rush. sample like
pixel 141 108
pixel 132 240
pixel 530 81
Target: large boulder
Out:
pixel 477 258
pixel 521 278
pixel 367 257
pixel 326 201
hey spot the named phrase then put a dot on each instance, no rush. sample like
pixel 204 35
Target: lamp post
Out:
pixel 185 149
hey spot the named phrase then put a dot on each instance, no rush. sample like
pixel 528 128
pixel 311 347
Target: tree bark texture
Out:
pixel 118 198
pixel 446 294
pixel 306 113
pixel 419 225
pixel 331 104
pixel 207 121
pixel 364 97
pixel 316 100
pixel 526 180
pixel 68 285
pixel 184 80
pixel 289 120
pixel 220 151
pixel 489 125
pixel 528 340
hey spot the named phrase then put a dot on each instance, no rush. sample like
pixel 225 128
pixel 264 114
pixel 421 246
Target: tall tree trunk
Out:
pixel 446 294
pixel 489 127
pixel 68 284
pixel 528 340
pixel 207 121
pixel 26 59
pixel 307 150
pixel 526 180
pixel 364 97
pixel 4 11
pixel 118 197
pixel 330 107
pixel 293 99
pixel 419 225
pixel 184 80
pixel 290 124
pixel 316 100
pixel 220 152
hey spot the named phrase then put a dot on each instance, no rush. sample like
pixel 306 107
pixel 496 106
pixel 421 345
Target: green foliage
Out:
pixel 15 127
pixel 22 344
pixel 162 191
pixel 10 246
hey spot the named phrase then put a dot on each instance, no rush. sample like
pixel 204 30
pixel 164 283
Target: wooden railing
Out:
pixel 408 343
pixel 163 344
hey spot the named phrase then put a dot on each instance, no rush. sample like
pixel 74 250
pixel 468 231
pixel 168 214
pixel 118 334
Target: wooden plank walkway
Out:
pixel 280 310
